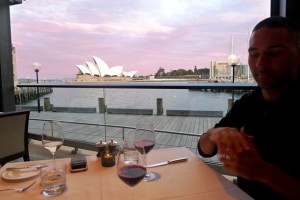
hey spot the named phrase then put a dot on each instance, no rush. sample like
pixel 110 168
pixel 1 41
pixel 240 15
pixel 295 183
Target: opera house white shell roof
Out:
pixel 100 68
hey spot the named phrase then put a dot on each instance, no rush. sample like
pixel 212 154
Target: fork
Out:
pixel 22 189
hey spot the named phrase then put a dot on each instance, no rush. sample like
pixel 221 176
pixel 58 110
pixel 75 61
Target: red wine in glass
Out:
pixel 132 174
pixel 148 145
pixel 131 162
pixel 145 132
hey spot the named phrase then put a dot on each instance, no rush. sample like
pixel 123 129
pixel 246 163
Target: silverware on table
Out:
pixel 22 189
pixel 168 162
pixel 26 167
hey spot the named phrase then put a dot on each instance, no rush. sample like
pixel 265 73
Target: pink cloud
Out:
pixel 140 36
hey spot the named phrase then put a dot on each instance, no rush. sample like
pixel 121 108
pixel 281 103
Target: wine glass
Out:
pixel 52 138
pixel 145 132
pixel 131 162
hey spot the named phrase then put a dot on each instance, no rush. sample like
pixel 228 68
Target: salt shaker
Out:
pixel 101 148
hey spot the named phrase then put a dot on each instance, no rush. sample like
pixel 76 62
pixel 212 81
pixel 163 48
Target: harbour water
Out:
pixel 176 99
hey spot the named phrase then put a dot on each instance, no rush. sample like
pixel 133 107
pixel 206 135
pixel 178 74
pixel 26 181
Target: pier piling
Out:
pixel 159 103
pixel 47 104
pixel 101 102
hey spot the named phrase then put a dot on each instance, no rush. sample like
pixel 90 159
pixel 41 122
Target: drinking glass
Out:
pixel 52 138
pixel 131 162
pixel 145 132
pixel 54 182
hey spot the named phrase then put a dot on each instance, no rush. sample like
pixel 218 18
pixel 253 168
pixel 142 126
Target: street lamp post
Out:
pixel 233 60
pixel 37 67
pixel 233 66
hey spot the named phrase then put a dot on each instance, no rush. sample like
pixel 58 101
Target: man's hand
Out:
pixel 237 152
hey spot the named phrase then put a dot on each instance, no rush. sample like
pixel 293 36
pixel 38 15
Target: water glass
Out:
pixel 53 181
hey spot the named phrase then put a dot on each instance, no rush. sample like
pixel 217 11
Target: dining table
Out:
pixel 188 180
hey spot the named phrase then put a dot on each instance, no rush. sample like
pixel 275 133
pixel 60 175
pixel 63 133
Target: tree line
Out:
pixel 200 73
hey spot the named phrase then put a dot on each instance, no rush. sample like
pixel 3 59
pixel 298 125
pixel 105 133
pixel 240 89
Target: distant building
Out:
pixel 99 71
pixel 16 82
pixel 222 71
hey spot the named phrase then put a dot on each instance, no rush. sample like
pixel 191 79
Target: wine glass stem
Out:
pixel 147 174
pixel 54 162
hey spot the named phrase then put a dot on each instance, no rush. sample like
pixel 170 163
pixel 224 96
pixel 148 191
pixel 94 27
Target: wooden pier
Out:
pixel 89 128
pixel 24 95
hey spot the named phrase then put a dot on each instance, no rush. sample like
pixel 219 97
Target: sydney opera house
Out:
pixel 99 71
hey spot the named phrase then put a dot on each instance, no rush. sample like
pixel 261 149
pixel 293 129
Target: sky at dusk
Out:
pixel 140 35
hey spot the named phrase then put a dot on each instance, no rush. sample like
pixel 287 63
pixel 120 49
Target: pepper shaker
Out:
pixel 112 145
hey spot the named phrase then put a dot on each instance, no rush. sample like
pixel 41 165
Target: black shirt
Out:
pixel 276 129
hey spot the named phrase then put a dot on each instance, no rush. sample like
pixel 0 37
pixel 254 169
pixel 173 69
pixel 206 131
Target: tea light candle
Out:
pixel 108 159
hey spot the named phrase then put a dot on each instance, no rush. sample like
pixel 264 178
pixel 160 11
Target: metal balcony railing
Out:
pixel 84 130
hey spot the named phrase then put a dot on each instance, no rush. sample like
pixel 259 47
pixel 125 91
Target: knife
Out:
pixel 168 162
pixel 27 167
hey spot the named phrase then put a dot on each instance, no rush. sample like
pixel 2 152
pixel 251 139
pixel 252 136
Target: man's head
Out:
pixel 274 53
pixel 280 22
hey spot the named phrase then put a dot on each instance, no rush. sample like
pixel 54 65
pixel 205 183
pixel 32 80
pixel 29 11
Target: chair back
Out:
pixel 14 136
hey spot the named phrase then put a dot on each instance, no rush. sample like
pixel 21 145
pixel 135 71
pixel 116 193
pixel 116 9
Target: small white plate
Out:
pixel 20 174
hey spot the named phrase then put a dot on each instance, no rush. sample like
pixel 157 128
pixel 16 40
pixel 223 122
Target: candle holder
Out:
pixel 108 158
pixel 101 148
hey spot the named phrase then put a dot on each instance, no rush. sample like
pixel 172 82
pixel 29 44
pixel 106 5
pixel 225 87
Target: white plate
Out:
pixel 20 174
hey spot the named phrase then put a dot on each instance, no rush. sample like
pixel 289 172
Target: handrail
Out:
pixel 91 146
pixel 147 85
pixel 115 126
pixel 194 85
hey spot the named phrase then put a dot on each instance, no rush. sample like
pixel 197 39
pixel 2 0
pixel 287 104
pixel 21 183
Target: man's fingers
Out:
pixel 231 139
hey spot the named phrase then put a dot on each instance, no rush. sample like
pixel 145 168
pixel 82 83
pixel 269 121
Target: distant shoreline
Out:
pixel 164 80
